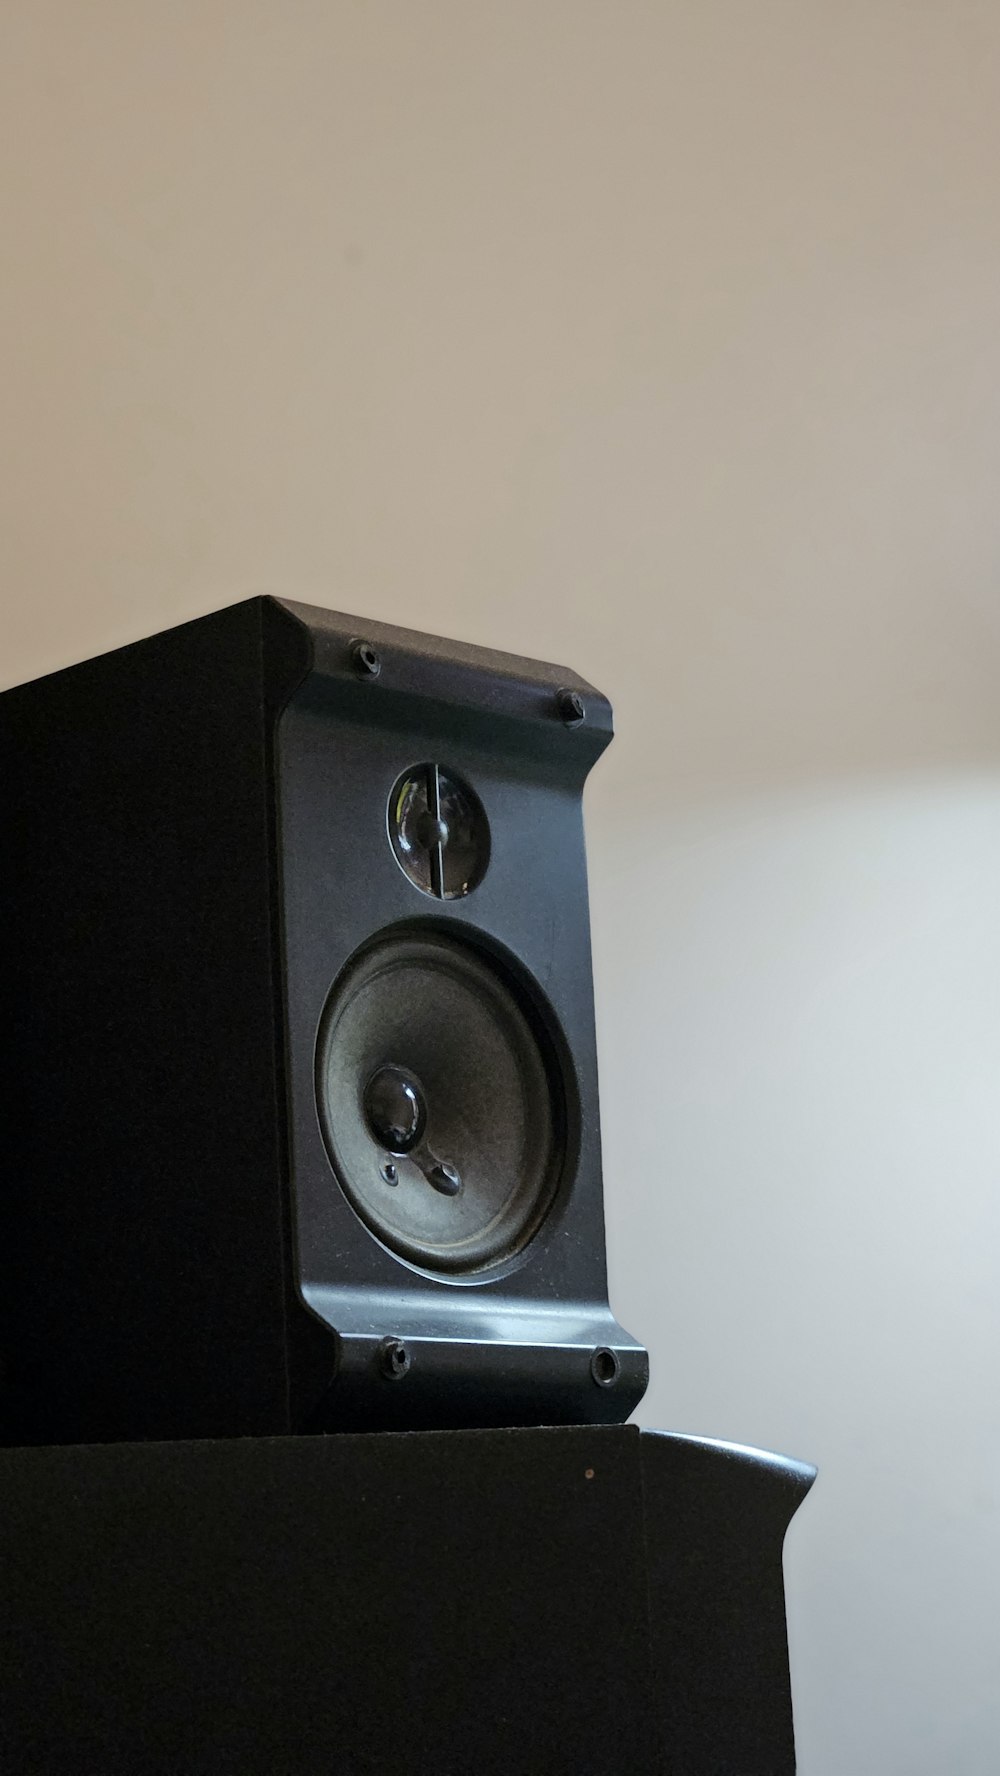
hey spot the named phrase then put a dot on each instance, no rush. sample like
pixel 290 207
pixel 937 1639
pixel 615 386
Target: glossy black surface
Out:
pixel 395 1109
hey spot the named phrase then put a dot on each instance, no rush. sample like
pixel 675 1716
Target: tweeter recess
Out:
pixel 440 1106
pixel 438 832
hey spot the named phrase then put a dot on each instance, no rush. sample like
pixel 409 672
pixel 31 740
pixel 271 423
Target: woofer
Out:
pixel 439 1101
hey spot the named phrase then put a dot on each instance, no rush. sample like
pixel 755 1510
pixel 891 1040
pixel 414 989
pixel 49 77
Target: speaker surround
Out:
pixel 304 1127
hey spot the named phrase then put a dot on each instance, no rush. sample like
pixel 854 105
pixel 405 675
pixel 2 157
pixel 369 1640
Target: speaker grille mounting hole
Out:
pixel 438 831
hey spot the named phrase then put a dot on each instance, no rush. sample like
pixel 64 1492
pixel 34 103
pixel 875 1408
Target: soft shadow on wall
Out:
pixel 795 869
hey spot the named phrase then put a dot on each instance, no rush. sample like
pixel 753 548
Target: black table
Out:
pixel 522 1601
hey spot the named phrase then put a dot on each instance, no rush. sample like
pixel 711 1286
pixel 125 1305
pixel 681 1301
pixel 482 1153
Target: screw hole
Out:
pixel 571 708
pixel 394 1358
pixel 605 1368
pixel 366 659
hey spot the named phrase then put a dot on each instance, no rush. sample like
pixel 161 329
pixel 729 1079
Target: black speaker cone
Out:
pixel 438 1101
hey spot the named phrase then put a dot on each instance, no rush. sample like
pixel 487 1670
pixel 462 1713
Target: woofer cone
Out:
pixel 480 1177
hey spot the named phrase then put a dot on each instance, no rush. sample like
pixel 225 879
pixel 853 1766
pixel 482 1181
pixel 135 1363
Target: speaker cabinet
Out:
pixel 299 1046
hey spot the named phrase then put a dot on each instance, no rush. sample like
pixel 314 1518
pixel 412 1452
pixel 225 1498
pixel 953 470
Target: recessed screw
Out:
pixel 605 1368
pixel 389 1172
pixel 571 708
pixel 393 1358
pixel 365 658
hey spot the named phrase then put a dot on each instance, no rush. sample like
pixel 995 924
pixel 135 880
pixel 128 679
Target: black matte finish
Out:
pixel 594 1602
pixel 717 1601
pixel 195 844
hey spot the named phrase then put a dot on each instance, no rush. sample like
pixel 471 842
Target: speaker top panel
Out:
pixel 511 705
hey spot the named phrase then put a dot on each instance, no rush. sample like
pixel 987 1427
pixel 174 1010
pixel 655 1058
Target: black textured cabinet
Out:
pixel 595 1601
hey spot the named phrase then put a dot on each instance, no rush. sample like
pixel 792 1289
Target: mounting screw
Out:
pixel 393 1358
pixel 605 1368
pixel 389 1172
pixel 571 708
pixel 366 661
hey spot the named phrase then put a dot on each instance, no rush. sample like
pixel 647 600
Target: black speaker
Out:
pixel 302 1124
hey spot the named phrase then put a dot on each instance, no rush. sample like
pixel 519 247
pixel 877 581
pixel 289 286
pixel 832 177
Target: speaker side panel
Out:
pixel 141 1214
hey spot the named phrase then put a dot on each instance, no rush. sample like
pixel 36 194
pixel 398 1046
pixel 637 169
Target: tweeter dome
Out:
pixel 299 1039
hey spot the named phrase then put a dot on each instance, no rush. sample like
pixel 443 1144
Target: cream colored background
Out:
pixel 662 338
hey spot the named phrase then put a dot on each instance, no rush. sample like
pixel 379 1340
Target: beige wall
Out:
pixel 664 338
